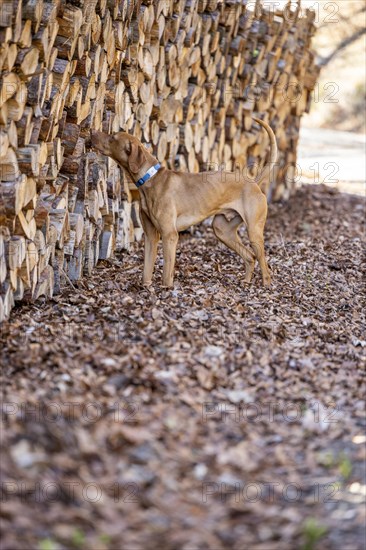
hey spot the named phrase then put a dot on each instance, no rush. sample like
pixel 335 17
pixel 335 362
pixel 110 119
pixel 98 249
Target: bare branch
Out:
pixel 342 46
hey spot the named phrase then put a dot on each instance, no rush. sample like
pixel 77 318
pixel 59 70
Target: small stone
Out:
pixel 199 471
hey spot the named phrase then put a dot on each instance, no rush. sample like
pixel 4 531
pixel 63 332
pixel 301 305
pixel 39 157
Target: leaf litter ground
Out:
pixel 213 416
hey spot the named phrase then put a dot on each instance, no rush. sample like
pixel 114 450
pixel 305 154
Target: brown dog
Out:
pixel 173 201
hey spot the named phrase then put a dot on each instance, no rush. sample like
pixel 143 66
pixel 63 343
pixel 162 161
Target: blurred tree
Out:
pixel 349 27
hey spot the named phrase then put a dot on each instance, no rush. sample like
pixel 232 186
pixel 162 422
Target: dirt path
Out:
pixel 334 158
pixel 214 416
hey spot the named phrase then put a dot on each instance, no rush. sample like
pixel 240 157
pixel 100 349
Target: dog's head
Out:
pixel 127 150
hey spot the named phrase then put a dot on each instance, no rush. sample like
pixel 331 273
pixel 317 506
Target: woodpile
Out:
pixel 184 76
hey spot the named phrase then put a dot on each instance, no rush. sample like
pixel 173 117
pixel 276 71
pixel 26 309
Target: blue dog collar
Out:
pixel 149 174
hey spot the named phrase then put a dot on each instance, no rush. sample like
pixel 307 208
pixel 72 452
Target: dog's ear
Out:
pixel 137 157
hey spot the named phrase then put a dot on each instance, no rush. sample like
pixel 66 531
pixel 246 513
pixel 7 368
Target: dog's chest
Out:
pixel 143 203
pixel 148 208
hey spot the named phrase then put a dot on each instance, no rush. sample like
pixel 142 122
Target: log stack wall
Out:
pixel 183 76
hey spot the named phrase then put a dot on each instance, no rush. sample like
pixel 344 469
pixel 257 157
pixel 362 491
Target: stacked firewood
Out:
pixel 184 76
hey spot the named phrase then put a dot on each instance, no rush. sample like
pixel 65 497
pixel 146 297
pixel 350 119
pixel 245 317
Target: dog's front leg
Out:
pixel 151 247
pixel 170 241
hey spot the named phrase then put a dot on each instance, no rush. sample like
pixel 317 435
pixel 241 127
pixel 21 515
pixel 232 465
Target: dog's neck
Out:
pixel 150 162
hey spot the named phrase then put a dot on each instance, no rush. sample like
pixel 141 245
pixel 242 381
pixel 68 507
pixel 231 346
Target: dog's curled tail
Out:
pixel 268 170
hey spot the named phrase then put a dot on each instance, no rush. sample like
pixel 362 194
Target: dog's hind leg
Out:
pixel 256 220
pixel 227 232
pixel 257 243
